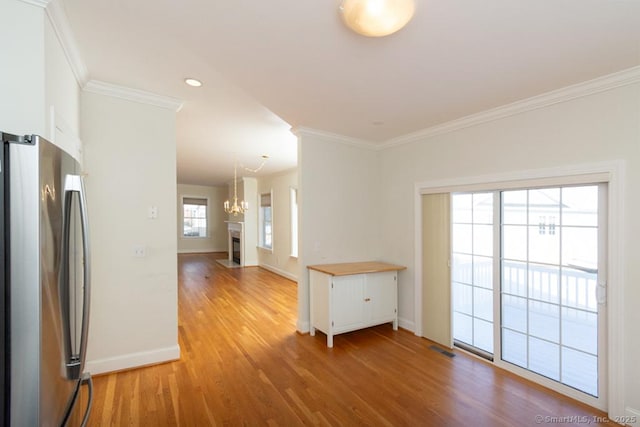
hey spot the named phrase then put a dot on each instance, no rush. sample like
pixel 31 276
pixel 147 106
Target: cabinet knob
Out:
pixel 367 299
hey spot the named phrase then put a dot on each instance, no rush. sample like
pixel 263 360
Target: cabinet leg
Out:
pixel 312 331
pixel 395 324
pixel 329 340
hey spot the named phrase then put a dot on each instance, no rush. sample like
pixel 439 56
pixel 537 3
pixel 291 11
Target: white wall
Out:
pixel 279 259
pixel 62 97
pixel 591 129
pixel 249 193
pixel 216 240
pixel 339 207
pixel 22 74
pixel 130 158
pixel 36 80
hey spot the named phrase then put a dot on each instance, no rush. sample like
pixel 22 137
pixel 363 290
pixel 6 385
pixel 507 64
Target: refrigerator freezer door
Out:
pixel 24 267
pixel 3 354
pixel 41 394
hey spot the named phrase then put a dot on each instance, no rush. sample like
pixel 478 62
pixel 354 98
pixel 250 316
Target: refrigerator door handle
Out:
pixel 75 361
pixel 86 250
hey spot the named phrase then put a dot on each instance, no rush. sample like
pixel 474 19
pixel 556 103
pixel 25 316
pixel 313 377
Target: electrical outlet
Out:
pixel 152 212
pixel 139 251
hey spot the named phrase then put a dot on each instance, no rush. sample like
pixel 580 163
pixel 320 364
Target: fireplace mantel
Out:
pixel 248 251
pixel 235 225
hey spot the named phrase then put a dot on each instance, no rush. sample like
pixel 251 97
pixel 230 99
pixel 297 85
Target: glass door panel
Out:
pixel 549 271
pixel 472 270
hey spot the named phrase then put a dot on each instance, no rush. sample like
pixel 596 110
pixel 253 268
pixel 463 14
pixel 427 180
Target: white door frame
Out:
pixel 609 172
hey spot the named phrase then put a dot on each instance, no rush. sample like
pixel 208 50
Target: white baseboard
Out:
pixel 133 360
pixel 303 326
pixel 200 251
pixel 279 272
pixel 632 417
pixel 409 325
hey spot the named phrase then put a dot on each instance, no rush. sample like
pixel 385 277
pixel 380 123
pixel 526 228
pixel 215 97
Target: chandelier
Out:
pixel 376 18
pixel 235 209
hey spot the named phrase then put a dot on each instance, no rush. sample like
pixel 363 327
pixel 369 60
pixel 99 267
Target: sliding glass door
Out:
pixel 543 309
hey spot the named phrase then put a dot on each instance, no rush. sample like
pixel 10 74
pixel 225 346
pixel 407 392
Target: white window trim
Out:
pixel 261 245
pixel 612 173
pixel 291 254
pixel 265 249
pixel 188 196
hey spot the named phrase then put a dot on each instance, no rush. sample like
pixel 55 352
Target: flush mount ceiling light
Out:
pixel 376 18
pixel 193 82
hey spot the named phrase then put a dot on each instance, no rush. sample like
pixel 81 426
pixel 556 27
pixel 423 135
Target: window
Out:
pixel 266 221
pixel 194 217
pixel 294 221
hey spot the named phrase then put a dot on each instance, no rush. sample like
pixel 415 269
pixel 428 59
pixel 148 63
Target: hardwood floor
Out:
pixel 244 364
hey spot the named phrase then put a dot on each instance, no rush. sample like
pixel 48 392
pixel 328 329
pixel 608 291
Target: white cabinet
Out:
pixel 346 297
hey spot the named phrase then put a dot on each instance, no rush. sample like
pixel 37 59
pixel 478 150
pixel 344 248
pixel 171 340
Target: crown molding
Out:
pixel 601 84
pixel 135 95
pixel 39 3
pixel 62 28
pixel 341 139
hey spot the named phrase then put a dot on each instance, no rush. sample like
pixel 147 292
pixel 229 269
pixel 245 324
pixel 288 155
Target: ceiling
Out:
pixel 271 65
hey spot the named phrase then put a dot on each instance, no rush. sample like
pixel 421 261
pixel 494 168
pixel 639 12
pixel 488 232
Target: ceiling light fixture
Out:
pixel 235 209
pixel 193 82
pixel 376 18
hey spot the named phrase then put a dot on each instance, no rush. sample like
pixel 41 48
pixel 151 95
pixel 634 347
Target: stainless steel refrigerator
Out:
pixel 45 285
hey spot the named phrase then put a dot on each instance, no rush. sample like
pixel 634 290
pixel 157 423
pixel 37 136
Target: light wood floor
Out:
pixel 244 364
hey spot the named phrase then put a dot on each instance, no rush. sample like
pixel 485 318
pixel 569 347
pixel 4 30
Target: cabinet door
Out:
pixel 381 296
pixel 319 294
pixel 347 302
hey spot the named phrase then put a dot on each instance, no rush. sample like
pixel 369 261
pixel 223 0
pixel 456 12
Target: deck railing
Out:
pixel 570 287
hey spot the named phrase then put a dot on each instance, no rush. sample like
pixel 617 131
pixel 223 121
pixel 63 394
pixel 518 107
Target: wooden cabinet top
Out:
pixel 348 268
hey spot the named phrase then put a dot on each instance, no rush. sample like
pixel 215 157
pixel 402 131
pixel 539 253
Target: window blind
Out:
pixel 194 201
pixel 436 280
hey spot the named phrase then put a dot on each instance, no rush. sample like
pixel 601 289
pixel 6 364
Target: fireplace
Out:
pixel 235 252
pixel 237 244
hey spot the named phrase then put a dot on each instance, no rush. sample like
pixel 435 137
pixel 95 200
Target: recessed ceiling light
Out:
pixel 193 82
